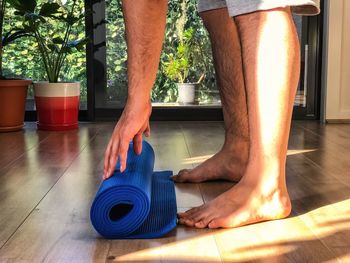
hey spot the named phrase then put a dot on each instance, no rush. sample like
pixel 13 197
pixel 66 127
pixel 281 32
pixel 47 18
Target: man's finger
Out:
pixel 113 156
pixel 123 151
pixel 148 130
pixel 138 143
pixel 106 159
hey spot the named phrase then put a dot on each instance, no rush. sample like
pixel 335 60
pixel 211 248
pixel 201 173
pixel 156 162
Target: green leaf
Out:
pixel 49 9
pixel 23 6
pixel 57 40
pixel 188 33
pixel 82 43
pixel 181 49
pixel 13 35
pixel 33 18
pixel 78 44
pixel 19 13
pixel 29 27
pixel 67 49
pixel 52 47
pixel 71 19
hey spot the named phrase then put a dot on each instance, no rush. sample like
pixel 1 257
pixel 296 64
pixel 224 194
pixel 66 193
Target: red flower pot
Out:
pixel 13 95
pixel 57 105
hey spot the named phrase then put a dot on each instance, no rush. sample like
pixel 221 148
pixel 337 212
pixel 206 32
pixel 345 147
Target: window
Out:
pixel 184 31
pixel 21 59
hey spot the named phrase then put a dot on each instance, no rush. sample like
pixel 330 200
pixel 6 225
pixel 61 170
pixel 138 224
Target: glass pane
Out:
pixel 183 22
pixel 22 59
pixel 184 34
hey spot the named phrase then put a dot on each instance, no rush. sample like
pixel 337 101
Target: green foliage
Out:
pixel 178 26
pixel 45 23
pixel 11 35
pixel 188 52
pixel 180 66
pixel 165 89
pixel 22 58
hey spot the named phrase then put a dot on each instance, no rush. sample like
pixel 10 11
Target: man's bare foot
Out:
pixel 246 203
pixel 227 164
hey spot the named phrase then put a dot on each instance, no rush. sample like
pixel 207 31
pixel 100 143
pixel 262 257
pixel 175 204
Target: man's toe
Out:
pixel 201 224
pixel 181 176
pixel 181 221
pixel 189 222
pixel 224 222
pixel 189 212
pixel 215 223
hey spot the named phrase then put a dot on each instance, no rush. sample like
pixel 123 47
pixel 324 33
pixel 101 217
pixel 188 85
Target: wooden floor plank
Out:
pixel 203 139
pixel 326 148
pixel 172 153
pixel 181 245
pixel 59 230
pixel 338 134
pixel 331 224
pixel 287 240
pixel 318 191
pixel 169 145
pixel 60 223
pixel 59 227
pixel 15 144
pixel 26 181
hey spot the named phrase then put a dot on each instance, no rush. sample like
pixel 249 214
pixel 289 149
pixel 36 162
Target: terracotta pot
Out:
pixel 13 95
pixel 186 93
pixel 57 105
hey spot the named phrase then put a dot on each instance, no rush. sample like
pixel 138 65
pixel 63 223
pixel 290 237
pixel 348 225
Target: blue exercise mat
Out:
pixel 138 203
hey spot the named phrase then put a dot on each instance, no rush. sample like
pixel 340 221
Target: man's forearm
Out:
pixel 145 25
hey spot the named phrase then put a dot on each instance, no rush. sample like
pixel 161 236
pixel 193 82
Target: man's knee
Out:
pixel 215 19
pixel 207 18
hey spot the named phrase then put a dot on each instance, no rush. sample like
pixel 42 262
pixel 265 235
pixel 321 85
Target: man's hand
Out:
pixel 145 22
pixel 133 123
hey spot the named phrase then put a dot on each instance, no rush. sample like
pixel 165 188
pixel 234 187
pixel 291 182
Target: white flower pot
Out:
pixel 186 93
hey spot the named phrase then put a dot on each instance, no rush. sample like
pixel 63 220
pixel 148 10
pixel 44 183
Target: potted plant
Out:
pixel 180 68
pixel 13 91
pixel 51 25
pixel 182 65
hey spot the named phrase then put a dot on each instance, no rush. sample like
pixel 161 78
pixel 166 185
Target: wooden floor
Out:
pixel 48 181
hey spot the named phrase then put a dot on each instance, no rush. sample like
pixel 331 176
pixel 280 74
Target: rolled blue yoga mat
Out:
pixel 138 203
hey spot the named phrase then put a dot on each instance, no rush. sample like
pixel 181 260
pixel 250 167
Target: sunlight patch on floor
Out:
pixel 329 219
pixel 236 244
pixel 268 240
pixel 180 251
pixel 294 151
pixel 202 158
pixel 197 159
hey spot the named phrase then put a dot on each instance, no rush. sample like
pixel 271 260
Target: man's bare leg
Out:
pixel 232 159
pixel 270 51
